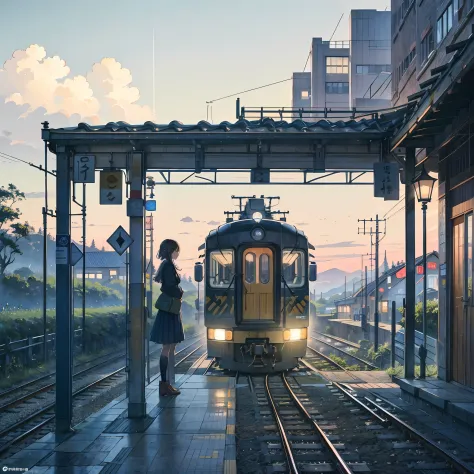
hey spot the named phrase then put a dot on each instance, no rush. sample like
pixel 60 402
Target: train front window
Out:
pixel 250 268
pixel 221 268
pixel 264 268
pixel 293 268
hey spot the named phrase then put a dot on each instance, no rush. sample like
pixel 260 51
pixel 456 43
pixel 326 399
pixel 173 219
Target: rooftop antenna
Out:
pixel 153 69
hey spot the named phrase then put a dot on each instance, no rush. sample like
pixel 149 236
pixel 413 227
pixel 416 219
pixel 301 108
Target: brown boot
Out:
pixel 164 390
pixel 175 391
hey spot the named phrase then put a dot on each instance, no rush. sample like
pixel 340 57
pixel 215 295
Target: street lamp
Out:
pixel 423 184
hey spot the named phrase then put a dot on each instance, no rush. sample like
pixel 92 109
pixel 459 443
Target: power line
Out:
pixel 393 207
pixel 249 90
pixel 307 59
pixel 15 159
pixel 335 29
pixel 375 93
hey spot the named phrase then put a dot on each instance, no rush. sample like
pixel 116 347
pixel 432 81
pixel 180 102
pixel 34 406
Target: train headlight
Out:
pixel 219 334
pixel 258 234
pixel 257 216
pixel 297 334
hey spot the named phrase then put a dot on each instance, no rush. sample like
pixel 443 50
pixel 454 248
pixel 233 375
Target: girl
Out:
pixel 168 327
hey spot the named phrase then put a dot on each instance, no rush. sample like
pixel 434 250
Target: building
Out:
pixel 351 73
pixel 391 288
pixel 433 63
pixel 102 266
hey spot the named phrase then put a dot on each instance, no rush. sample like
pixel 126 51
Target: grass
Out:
pixel 51 313
pixel 399 370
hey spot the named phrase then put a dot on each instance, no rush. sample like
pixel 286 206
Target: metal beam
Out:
pixel 136 336
pixel 64 323
pixel 410 257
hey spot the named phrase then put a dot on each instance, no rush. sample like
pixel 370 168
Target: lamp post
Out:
pixel 423 184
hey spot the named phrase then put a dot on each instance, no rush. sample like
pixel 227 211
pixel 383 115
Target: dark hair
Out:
pixel 167 248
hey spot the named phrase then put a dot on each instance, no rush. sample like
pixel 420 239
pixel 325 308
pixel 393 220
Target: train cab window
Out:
pixel 221 269
pixel 293 268
pixel 264 272
pixel 250 268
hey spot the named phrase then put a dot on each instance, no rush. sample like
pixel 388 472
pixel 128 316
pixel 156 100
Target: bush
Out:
pixel 432 308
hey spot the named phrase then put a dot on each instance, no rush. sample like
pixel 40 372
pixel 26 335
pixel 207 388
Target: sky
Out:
pixel 92 62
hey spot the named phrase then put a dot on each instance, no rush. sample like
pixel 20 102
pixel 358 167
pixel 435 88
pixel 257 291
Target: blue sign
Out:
pixel 150 205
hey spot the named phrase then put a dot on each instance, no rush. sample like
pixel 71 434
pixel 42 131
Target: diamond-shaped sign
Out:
pixel 120 240
pixel 76 254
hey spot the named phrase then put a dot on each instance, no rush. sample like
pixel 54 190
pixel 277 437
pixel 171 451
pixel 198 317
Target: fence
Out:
pixel 28 351
pixel 431 343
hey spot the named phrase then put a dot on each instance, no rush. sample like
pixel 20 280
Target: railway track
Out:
pixel 306 446
pixel 38 420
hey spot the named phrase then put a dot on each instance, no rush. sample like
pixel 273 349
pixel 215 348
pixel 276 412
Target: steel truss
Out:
pixel 309 177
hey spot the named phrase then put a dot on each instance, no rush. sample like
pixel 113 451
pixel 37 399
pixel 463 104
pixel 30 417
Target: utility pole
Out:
pixel 364 322
pixel 377 222
pixel 83 268
pixel 345 286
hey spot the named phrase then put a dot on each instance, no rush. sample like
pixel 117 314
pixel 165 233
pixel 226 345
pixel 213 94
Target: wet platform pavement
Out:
pixel 191 433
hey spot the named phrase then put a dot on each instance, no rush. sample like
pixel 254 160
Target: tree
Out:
pixel 11 232
pixel 93 246
pixel 23 272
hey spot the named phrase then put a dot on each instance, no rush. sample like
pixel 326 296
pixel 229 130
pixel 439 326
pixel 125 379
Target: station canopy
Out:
pixel 260 146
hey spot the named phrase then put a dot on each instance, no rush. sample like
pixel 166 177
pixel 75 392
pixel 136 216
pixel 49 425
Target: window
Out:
pixel 264 268
pixel 304 95
pixel 113 273
pixel 337 88
pixel 432 282
pixel 383 306
pixel 469 272
pixel 427 46
pixel 250 268
pixel 445 23
pixel 337 65
pixel 221 268
pixel 344 309
pixel 373 68
pixel 402 68
pixel 293 268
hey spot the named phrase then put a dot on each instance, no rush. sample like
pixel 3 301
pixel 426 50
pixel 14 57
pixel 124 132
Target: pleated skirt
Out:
pixel 167 328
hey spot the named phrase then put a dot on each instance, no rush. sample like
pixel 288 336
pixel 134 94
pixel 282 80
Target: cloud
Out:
pixel 213 223
pixel 187 219
pixel 341 255
pixel 302 223
pixel 184 233
pixel 339 245
pixel 35 87
pixel 35 195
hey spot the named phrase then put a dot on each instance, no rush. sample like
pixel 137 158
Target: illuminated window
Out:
pixel 337 65
pixel 113 273
pixel 304 95
pixel 383 306
pixel 294 267
pixel 221 268
pixel 250 268
pixel 264 268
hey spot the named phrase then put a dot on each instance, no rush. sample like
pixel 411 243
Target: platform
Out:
pixel 191 433
pixel 454 400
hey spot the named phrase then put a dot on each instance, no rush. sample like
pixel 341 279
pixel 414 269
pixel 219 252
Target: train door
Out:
pixel 258 284
pixel 463 311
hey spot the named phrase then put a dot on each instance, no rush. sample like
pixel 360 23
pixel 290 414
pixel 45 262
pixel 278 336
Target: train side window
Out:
pixel 250 268
pixel 221 268
pixel 294 268
pixel 264 270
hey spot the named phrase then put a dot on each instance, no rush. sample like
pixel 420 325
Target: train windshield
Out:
pixel 221 268
pixel 294 268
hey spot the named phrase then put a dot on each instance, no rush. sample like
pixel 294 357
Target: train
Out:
pixel 256 273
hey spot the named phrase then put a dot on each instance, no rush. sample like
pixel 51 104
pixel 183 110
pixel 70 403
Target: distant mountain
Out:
pixel 332 281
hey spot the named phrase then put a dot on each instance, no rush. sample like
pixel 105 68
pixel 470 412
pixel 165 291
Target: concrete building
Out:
pixel 351 73
pixel 433 61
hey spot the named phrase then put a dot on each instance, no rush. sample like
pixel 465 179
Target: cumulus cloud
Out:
pixel 213 223
pixel 35 87
pixel 339 245
pixel 187 219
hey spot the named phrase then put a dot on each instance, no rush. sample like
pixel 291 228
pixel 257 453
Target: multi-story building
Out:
pixel 351 73
pixel 433 68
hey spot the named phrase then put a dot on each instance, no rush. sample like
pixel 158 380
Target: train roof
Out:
pixel 245 223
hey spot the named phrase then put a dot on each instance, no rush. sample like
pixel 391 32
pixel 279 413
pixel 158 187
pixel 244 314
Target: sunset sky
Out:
pixel 68 62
